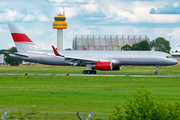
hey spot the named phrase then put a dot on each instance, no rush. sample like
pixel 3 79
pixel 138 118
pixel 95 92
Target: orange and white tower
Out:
pixel 60 24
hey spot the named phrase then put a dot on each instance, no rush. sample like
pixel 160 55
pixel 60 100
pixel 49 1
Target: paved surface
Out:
pixel 142 75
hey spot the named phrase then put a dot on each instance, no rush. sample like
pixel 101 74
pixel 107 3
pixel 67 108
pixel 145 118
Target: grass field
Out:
pixel 66 95
pixel 36 68
pixel 57 96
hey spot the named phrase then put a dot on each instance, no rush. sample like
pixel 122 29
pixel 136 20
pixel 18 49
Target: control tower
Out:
pixel 60 24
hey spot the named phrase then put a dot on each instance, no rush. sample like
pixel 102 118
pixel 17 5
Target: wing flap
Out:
pixel 79 61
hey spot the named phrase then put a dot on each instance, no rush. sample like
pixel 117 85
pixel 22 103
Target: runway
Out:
pixel 134 75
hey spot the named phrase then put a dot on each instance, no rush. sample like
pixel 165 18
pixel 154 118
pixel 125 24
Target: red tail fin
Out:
pixel 21 40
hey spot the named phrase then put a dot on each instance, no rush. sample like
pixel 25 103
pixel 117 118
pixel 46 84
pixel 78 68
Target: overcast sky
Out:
pixel 154 18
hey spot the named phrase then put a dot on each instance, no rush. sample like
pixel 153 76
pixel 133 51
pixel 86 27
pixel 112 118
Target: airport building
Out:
pixel 106 42
pixel 2 62
pixel 175 52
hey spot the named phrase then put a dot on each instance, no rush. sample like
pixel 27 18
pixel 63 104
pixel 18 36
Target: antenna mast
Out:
pixel 63 11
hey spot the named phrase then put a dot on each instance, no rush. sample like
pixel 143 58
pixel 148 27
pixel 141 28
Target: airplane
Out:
pixel 94 60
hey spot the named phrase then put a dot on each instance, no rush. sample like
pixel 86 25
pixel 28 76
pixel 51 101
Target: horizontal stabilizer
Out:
pixel 17 54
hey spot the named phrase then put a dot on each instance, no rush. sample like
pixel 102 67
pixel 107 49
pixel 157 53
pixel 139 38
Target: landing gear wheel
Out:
pixel 89 71
pixel 155 72
pixel 94 72
pixel 84 71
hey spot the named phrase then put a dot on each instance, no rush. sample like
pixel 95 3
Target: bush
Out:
pixel 145 107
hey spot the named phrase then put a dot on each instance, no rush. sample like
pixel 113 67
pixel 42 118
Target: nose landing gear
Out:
pixel 156 72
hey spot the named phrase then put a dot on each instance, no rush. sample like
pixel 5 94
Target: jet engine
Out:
pixel 106 66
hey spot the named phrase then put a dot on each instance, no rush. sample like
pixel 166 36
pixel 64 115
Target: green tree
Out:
pixel 1 51
pixel 68 49
pixel 10 60
pixel 126 48
pixel 143 45
pixel 160 44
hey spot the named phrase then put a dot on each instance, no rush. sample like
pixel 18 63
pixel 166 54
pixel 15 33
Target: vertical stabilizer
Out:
pixel 21 40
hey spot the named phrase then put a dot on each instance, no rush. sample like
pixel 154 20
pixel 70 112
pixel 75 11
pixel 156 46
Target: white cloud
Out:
pixel 120 11
pixel 59 2
pixel 39 17
pixel 79 1
pixel 175 34
pixel 92 6
pixel 49 41
pixel 10 15
pixel 56 2
pixel 35 31
pixel 69 12
pixel 136 12
pixel 76 9
pixel 82 30
pixel 2 30
pixel 176 5
pixel 42 18
pixel 3 3
pixel 29 17
pixel 175 37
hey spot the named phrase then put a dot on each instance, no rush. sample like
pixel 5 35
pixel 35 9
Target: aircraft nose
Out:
pixel 175 61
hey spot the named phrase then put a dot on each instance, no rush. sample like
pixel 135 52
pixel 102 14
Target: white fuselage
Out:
pixel 116 57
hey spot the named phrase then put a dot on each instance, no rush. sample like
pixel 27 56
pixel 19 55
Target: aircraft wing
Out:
pixel 77 60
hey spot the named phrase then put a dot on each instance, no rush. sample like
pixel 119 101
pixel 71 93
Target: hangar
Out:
pixel 106 42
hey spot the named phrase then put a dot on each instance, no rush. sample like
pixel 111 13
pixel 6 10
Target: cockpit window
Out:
pixel 169 56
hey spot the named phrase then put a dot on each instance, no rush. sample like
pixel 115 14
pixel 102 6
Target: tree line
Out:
pixel 159 44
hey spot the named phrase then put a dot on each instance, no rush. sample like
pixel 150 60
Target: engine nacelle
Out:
pixel 106 66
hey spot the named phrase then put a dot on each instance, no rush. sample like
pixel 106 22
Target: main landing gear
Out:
pixel 87 71
pixel 156 72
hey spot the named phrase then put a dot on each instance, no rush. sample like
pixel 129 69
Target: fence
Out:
pixel 53 115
